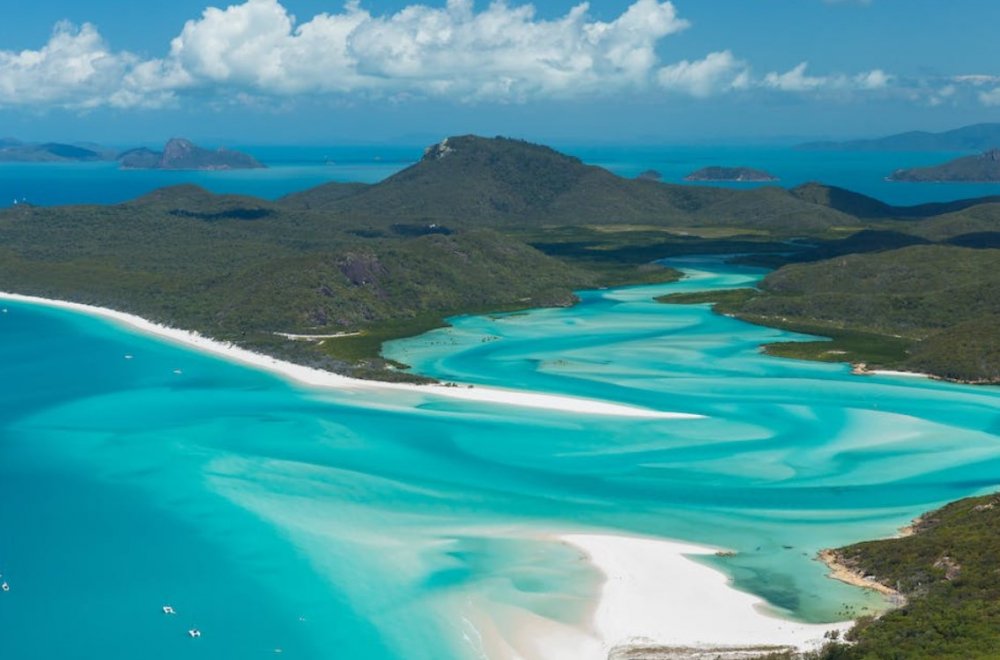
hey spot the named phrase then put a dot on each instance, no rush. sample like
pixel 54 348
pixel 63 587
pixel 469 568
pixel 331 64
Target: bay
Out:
pixel 325 523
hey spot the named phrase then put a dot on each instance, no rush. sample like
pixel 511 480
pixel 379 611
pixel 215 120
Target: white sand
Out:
pixel 893 372
pixel 326 379
pixel 653 594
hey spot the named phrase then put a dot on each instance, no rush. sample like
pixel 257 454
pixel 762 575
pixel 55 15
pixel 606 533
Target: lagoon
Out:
pixel 379 524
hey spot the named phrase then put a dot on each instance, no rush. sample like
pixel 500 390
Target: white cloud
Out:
pixel 502 52
pixel 991 97
pixel 75 66
pixel 256 50
pixel 797 80
pixel 717 72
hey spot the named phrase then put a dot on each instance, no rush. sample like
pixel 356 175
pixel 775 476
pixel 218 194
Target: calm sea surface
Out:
pixel 296 168
pixel 345 525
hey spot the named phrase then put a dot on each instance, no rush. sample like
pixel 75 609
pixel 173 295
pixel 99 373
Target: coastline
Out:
pixel 844 572
pixel 657 600
pixel 328 380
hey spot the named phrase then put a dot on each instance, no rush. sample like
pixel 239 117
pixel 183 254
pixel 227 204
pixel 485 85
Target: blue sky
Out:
pixel 611 71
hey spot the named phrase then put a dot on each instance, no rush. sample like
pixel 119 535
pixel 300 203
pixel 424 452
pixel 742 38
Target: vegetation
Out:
pixel 947 571
pixel 498 224
pixel 929 308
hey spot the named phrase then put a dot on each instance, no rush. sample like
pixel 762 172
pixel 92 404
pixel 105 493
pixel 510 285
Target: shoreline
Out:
pixel 656 599
pixel 843 572
pixel 320 378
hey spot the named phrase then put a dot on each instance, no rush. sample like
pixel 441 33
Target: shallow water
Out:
pixel 346 524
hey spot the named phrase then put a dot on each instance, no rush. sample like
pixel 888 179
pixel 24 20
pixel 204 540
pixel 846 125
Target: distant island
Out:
pixel 181 154
pixel 978 137
pixel 984 168
pixel 721 174
pixel 649 175
pixel 178 154
pixel 15 151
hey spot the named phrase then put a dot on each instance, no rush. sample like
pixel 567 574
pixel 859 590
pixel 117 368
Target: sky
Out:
pixel 625 71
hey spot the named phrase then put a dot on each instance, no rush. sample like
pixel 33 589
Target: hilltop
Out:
pixel 505 182
pixel 984 168
pixel 978 137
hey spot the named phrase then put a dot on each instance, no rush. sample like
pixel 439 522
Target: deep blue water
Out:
pixel 296 168
pixel 364 524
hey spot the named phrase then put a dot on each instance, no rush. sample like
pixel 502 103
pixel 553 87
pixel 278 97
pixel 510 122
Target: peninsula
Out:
pixel 984 168
pixel 730 174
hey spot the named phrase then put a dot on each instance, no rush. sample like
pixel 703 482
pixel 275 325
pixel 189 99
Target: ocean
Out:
pixel 292 169
pixel 135 473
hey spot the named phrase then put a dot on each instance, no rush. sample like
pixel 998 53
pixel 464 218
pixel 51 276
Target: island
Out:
pixel 978 137
pixel 15 151
pixel 984 168
pixel 181 154
pixel 730 174
pixel 649 175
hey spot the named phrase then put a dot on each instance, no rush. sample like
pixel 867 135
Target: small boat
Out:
pixel 168 610
pixel 178 372
pixel 194 632
pixel 5 586
pixel 128 357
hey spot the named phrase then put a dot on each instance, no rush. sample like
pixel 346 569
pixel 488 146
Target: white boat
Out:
pixel 168 610
pixel 5 586
pixel 194 632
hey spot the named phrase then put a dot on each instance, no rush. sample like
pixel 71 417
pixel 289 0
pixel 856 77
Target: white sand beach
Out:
pixel 653 597
pixel 326 379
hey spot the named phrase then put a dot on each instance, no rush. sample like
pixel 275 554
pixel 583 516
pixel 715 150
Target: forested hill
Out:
pixel 503 182
pixel 477 225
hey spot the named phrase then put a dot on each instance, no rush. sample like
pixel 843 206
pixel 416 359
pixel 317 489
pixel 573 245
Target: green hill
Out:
pixel 947 571
pixel 928 308
pixel 488 224
pixel 242 269
pixel 502 182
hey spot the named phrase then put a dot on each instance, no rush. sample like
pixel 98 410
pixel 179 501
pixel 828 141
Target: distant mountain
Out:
pixel 181 154
pixel 984 168
pixel 979 137
pixel 15 151
pixel 716 173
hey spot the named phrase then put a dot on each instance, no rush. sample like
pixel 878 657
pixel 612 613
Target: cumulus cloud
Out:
pixel 717 72
pixel 75 66
pixel 501 52
pixel 797 80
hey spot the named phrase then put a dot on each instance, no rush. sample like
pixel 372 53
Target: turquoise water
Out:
pixel 291 169
pixel 347 524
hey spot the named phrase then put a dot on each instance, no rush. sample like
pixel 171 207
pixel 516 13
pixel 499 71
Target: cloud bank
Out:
pixel 502 53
